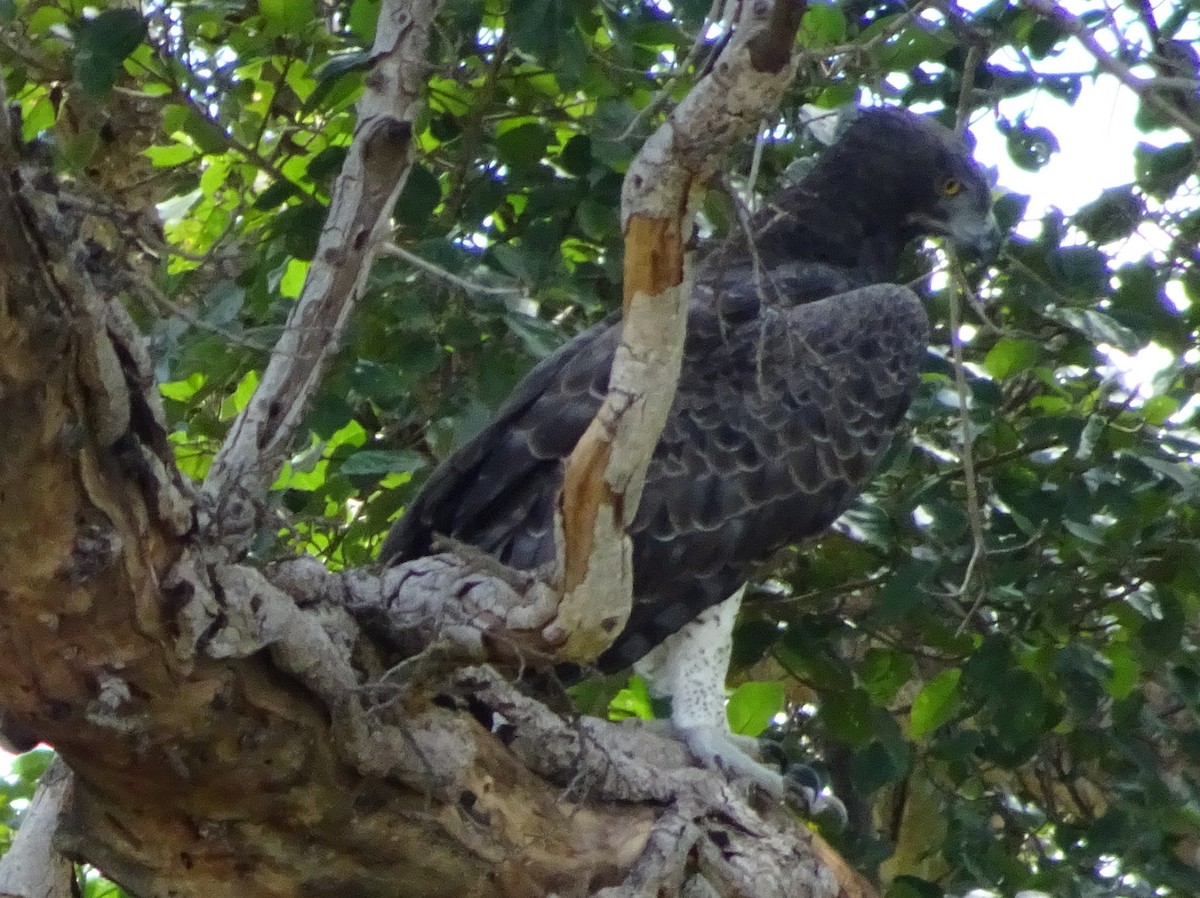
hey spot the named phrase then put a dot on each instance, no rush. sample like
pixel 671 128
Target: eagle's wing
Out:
pixel 778 423
pixel 782 410
pixel 498 490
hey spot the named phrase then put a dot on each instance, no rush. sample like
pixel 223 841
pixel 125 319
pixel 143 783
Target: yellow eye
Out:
pixel 951 186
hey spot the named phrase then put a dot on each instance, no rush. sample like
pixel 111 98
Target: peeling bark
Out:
pixel 293 731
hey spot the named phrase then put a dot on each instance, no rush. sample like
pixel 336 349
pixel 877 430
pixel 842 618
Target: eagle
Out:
pixel 801 358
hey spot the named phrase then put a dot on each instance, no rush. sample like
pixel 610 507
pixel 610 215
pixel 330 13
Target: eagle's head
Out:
pixel 913 177
pixel 958 201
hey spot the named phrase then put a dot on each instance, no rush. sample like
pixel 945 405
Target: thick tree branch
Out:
pixel 375 171
pixel 605 473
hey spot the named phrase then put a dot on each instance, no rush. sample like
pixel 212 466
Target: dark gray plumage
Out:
pixel 800 361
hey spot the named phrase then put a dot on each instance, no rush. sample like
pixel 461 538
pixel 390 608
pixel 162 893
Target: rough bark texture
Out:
pixel 288 732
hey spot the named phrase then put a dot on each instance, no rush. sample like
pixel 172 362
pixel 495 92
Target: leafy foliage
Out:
pixel 998 672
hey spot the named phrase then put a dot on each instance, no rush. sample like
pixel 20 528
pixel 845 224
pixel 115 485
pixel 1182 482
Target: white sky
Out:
pixel 1097 138
pixel 1096 142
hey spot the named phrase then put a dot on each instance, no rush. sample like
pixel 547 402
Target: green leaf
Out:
pixel 1183 475
pixel 171 155
pixel 42 19
pixel 849 715
pixel 1157 409
pixel 903 590
pixel 1022 713
pixel 632 701
pixel 753 706
pixel 1161 171
pixel 1083 269
pixel 420 197
pixel 183 390
pixel 237 400
pixel 330 75
pixel 936 703
pixel 874 767
pixel 537 27
pixel 1011 356
pixel 1124 671
pixel 1043 37
pixel 380 461
pixel 101 45
pixel 276 195
pixel 885 671
pixel 598 221
pixel 523 146
pixel 1114 216
pixel 516 260
pixel 822 26
pixel 751 641
pixel 913 887
pixel 915 44
pixel 327 163
pixel 538 336
pixel 1098 327
pixel 1010 210
pixel 1030 147
pixel 363 19
pixel 32 764
pixel 290 17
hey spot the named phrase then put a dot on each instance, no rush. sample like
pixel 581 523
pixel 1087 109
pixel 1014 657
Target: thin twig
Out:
pixel 974 511
pixel 755 164
pixel 716 13
pixel 399 252
pixel 963 113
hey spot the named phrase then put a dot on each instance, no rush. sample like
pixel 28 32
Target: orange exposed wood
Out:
pixel 653 256
pixel 653 265
pixel 584 492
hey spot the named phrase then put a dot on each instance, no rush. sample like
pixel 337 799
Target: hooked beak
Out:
pixel 978 239
pixel 977 236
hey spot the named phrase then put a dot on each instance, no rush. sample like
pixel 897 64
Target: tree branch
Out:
pixel 32 867
pixel 241 732
pixel 235 732
pixel 375 171
pixel 604 475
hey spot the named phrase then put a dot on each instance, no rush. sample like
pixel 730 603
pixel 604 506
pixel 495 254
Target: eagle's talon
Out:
pixel 807 796
pixel 771 752
pixel 737 758
pixel 830 814
pixel 804 776
pixel 717 748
